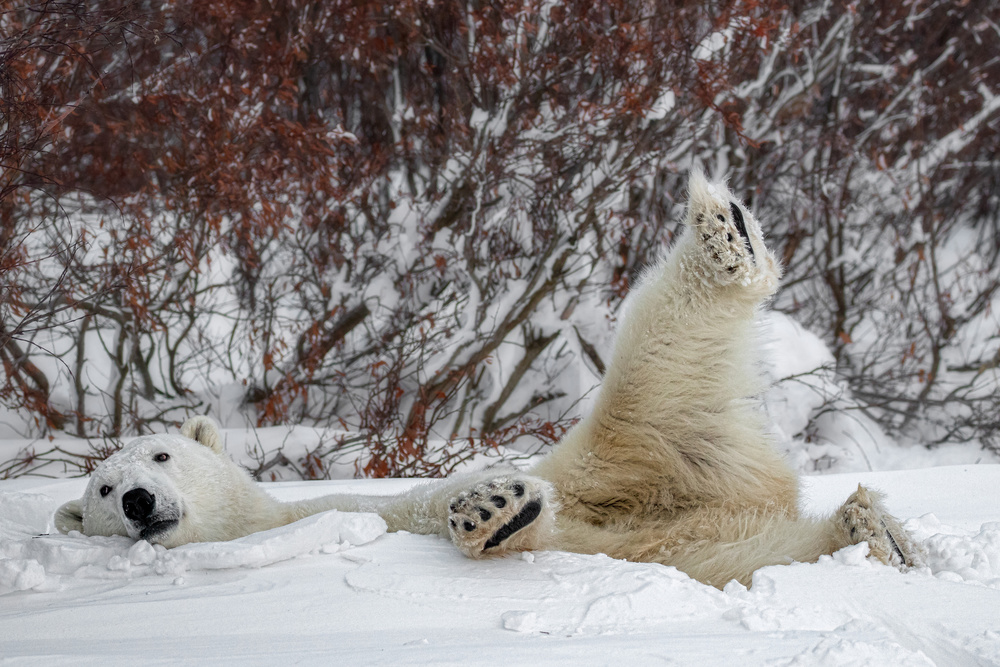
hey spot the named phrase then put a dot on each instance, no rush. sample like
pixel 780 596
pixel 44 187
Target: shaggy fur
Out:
pixel 673 466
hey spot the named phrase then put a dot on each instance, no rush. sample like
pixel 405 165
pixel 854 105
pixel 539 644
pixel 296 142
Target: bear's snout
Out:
pixel 138 504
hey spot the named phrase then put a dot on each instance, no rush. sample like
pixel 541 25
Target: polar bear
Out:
pixel 673 465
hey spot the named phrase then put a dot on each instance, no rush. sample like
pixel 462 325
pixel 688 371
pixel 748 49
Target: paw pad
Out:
pixel 727 242
pixel 723 236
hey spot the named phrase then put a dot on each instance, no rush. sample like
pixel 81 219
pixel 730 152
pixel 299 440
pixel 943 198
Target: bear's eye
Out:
pixel 105 490
pixel 161 457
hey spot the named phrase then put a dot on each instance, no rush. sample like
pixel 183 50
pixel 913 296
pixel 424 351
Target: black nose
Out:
pixel 138 504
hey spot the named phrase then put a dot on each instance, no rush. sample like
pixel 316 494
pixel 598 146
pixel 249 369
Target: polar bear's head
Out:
pixel 159 488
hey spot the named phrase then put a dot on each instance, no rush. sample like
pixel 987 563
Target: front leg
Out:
pixel 511 512
pixel 486 513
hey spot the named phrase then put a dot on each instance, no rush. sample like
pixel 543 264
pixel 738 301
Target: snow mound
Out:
pixel 961 556
pixel 819 425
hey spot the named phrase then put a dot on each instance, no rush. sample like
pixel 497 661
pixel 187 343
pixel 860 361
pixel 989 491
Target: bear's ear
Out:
pixel 70 516
pixel 204 430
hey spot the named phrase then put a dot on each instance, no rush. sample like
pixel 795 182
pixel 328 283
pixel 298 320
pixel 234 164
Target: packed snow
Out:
pixel 337 586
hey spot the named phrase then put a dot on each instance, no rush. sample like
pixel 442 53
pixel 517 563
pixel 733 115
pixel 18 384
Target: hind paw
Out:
pixel 863 518
pixel 507 513
pixel 726 243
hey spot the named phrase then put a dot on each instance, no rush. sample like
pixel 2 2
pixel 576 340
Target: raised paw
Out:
pixel 729 248
pixel 727 243
pixel 863 518
pixel 507 513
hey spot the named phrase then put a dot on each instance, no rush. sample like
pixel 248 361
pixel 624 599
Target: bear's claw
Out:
pixel 741 229
pixel 895 547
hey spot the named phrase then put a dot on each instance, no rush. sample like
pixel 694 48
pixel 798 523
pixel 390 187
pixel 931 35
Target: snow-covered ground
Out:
pixel 336 587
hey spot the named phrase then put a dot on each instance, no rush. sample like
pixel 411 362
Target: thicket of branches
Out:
pixel 415 221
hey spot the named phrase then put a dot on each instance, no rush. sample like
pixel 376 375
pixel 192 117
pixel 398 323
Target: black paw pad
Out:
pixel 484 514
pixel 499 501
pixel 518 489
pixel 469 526
pixel 528 514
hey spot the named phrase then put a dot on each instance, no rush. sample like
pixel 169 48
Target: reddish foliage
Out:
pixel 397 209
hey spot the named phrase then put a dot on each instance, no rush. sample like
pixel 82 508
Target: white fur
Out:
pixel 673 466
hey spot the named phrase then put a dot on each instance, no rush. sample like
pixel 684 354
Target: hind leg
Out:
pixel 718 544
pixel 711 544
pixel 674 425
